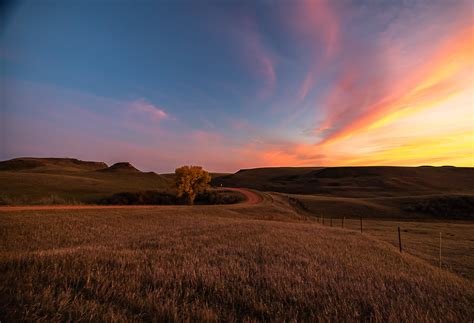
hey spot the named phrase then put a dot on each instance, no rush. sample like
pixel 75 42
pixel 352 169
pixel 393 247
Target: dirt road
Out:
pixel 251 198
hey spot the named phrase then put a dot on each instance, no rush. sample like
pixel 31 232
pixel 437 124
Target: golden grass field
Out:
pixel 213 263
pixel 420 236
pixel 254 261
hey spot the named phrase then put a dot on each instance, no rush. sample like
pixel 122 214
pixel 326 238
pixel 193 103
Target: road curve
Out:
pixel 251 198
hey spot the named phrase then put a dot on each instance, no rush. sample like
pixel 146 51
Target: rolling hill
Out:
pixel 368 181
pixel 383 192
pixel 439 206
pixel 67 180
pixel 369 192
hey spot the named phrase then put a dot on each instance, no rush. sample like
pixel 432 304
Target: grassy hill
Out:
pixel 384 192
pixel 369 192
pixel 205 263
pixel 372 181
pixel 263 262
pixel 48 165
pixel 440 206
pixel 66 180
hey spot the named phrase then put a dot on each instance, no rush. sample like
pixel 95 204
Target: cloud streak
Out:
pixel 144 107
pixel 444 74
pixel 317 22
pixel 255 55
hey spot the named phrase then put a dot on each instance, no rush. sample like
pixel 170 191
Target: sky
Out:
pixel 238 84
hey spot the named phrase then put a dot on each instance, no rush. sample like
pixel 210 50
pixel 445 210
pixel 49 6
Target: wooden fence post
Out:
pixel 399 239
pixel 360 224
pixel 440 250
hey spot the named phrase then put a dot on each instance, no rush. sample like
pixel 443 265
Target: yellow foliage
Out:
pixel 191 180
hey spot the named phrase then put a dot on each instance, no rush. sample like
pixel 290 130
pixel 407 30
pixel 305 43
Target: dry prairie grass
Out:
pixel 420 233
pixel 421 238
pixel 212 263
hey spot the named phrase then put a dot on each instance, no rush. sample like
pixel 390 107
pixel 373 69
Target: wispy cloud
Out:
pixel 354 106
pixel 154 112
pixel 255 54
pixel 318 23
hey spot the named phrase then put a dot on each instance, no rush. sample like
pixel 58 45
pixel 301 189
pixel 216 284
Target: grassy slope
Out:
pixel 46 181
pixel 421 238
pixel 356 181
pixel 450 206
pixel 210 263
pixel 420 231
pixel 370 192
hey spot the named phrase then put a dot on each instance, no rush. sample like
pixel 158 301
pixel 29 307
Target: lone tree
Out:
pixel 191 180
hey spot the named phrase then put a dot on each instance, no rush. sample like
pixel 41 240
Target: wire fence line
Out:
pixel 444 243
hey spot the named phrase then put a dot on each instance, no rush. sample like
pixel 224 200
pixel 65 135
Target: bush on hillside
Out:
pixel 455 207
pixel 140 198
pixel 219 197
pixel 164 198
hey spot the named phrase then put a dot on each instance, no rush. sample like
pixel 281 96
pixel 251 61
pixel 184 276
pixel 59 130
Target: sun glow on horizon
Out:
pixel 314 83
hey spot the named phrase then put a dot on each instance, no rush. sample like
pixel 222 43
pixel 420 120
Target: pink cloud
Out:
pixel 317 22
pixel 359 99
pixel 306 86
pixel 144 107
pixel 268 71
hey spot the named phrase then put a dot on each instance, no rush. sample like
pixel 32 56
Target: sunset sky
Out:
pixel 239 84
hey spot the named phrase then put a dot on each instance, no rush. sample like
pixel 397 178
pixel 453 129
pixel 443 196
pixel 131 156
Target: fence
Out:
pixel 395 232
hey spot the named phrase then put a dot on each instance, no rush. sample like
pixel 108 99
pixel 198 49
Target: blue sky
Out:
pixel 232 84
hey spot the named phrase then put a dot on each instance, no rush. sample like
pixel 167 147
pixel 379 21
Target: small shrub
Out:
pixel 219 197
pixel 165 198
pixel 455 207
pixel 140 198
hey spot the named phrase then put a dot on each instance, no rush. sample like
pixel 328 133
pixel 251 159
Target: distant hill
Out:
pixel 370 181
pixel 436 206
pixel 28 164
pixel 121 167
pixel 67 180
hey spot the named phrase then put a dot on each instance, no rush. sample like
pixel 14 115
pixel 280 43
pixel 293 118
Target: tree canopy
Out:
pixel 190 180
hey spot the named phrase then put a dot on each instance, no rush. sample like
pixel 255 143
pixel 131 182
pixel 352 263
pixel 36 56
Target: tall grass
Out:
pixel 214 264
pixel 52 199
pixel 421 238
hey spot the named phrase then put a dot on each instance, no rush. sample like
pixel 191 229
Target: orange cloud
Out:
pixel 424 117
pixel 443 75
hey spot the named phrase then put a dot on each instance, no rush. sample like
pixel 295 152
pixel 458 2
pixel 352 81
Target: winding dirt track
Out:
pixel 252 198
